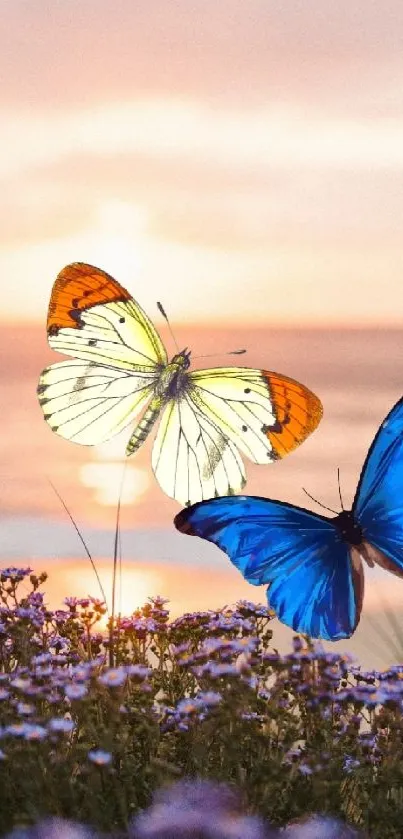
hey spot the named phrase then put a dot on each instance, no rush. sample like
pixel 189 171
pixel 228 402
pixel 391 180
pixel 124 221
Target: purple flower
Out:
pixel 350 763
pixel 25 709
pixel 75 691
pixel 196 808
pixel 99 757
pixel 59 724
pixel 304 769
pixel 114 677
pixel 259 610
pixel 14 574
pixel 35 732
pixel 320 827
pixel 17 729
pixel 209 698
pixel 216 670
pixel 187 707
pixel 53 829
pixel 138 671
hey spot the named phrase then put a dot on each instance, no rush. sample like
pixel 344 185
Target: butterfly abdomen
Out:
pixel 171 383
pixel 144 427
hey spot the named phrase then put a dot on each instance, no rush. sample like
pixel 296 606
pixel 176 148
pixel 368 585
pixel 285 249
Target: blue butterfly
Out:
pixel 313 563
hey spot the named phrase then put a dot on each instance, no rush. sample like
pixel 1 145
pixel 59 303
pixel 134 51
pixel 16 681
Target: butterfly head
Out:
pixel 182 359
pixel 349 529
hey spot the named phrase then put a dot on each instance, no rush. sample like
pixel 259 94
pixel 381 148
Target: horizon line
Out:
pixel 237 324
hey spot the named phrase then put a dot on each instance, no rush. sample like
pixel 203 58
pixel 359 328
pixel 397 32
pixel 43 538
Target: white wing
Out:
pixel 91 316
pixel 265 414
pixel 89 403
pixel 119 356
pixel 192 459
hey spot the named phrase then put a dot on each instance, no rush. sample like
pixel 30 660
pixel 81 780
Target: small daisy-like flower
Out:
pixel 187 706
pixel 304 769
pixel 209 697
pixel 99 757
pixel 20 684
pixel 34 732
pixel 14 574
pixel 60 724
pixel 115 677
pixel 16 729
pixel 25 709
pixel 138 671
pixel 75 691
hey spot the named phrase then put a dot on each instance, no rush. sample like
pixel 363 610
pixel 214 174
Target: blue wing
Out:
pixel 314 585
pixel 378 503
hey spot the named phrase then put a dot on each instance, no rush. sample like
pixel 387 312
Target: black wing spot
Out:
pixel 122 320
pixel 247 390
pixel 188 503
pixel 87 293
pixel 92 342
pixel 53 330
pixel 75 315
pixel 244 428
pixel 47 416
pixel 43 401
pixel 265 428
pixel 41 389
pixel 75 302
pixel 277 426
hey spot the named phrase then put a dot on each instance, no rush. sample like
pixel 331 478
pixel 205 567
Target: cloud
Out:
pixel 344 54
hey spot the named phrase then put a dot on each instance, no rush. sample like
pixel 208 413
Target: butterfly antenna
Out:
pixel 115 567
pixel 212 355
pixel 165 316
pixel 319 502
pixel 338 482
pixel 82 540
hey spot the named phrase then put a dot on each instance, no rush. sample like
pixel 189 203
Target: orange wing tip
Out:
pixel 78 287
pixel 298 412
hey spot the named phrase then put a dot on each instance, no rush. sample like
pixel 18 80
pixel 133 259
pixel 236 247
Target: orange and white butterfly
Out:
pixel 120 367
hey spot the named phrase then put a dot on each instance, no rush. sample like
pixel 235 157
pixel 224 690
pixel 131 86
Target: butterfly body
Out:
pixel 349 529
pixel 172 383
pixel 118 370
pixel 313 564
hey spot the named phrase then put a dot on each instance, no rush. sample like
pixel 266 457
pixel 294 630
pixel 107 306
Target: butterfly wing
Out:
pixel 315 584
pixel 378 503
pixel 91 316
pixel 264 414
pixel 220 411
pixel 117 354
pixel 192 459
pixel 88 402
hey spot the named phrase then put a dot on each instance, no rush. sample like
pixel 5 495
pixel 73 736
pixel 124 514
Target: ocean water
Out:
pixel 358 374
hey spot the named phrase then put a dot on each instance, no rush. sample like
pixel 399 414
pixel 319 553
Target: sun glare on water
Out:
pixel 111 476
pixel 132 591
pixel 106 480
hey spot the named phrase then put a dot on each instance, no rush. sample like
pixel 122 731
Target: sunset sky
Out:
pixel 241 161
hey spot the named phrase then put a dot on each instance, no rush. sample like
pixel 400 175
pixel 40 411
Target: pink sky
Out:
pixel 243 163
pixel 240 161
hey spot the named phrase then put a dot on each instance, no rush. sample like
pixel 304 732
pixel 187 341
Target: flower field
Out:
pixel 93 724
